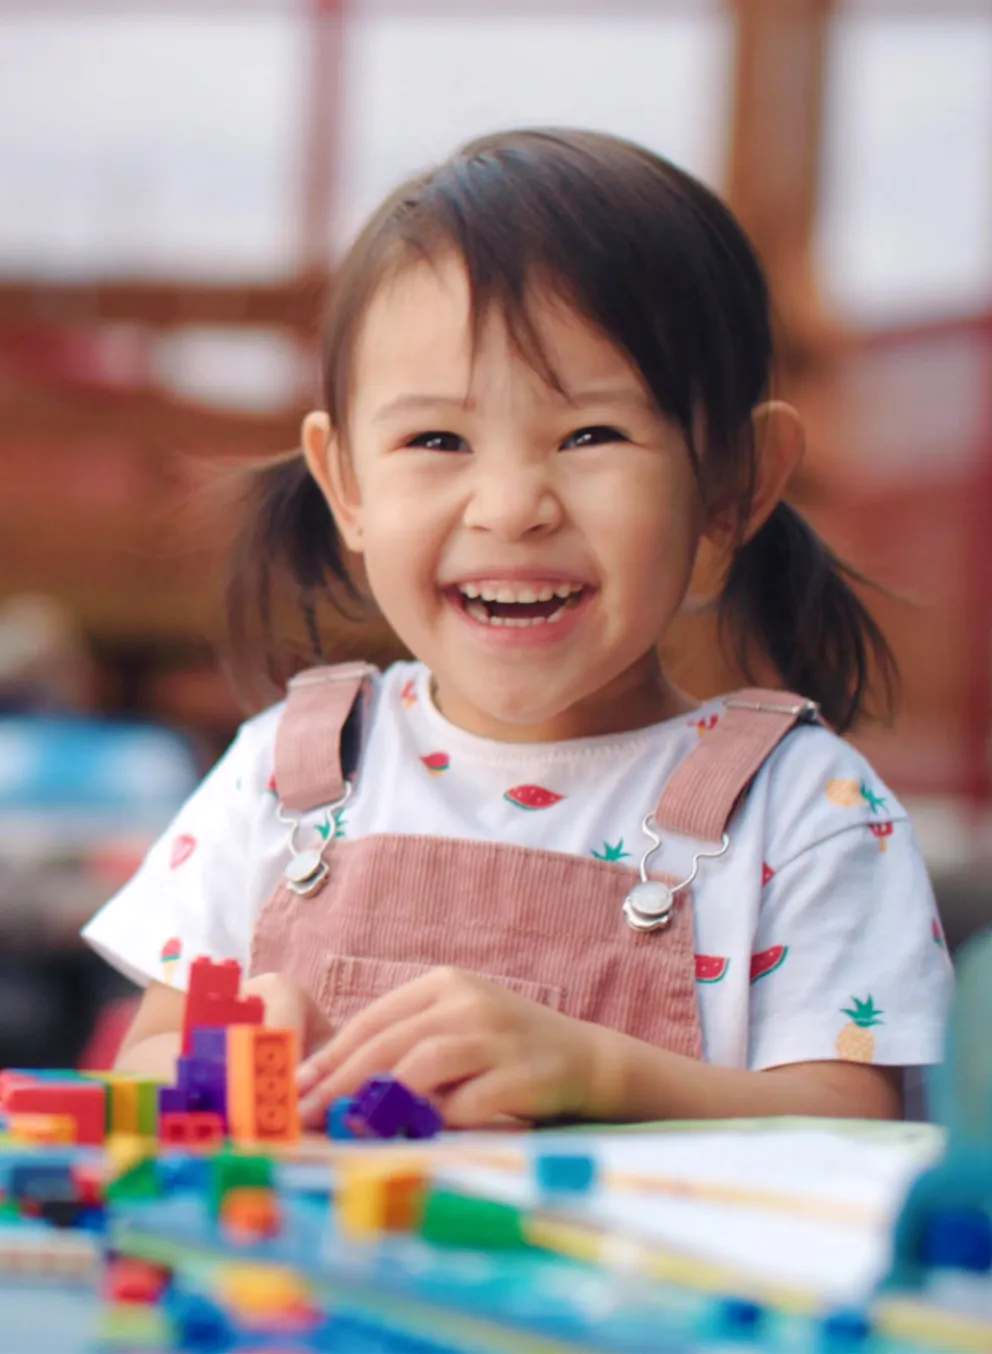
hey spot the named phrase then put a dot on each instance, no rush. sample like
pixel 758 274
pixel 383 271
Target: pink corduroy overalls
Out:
pixel 598 941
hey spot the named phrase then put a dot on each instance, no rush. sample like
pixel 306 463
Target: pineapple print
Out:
pixel 856 1043
pixel 610 852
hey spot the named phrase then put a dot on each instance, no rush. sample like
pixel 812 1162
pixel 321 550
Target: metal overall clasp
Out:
pixel 307 870
pixel 649 904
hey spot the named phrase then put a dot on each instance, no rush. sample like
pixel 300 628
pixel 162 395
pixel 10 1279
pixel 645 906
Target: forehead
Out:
pixel 417 335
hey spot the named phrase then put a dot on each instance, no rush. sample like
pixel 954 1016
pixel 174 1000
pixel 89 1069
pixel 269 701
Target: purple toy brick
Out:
pixel 382 1109
pixel 210 1043
pixel 206 1083
pixel 424 1121
pixel 172 1100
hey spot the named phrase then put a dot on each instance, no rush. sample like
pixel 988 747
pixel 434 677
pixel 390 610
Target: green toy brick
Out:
pixel 453 1219
pixel 148 1108
pixel 230 1170
pixel 140 1182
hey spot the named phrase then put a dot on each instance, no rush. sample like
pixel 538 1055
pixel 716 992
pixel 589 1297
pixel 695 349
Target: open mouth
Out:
pixel 520 604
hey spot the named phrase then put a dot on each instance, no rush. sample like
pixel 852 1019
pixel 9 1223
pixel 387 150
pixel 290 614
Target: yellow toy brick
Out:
pixel 122 1106
pixel 262 1291
pixel 376 1196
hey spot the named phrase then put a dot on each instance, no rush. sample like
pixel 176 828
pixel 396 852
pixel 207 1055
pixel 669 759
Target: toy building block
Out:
pixel 204 1082
pixel 385 1195
pixel 248 1214
pixel 262 1100
pixel 148 1109
pixel 191 1129
pixel 565 1172
pixel 123 1096
pixel 139 1181
pixel 944 1222
pixel 212 999
pixel 127 1279
pixel 469 1222
pixel 232 1170
pixel 84 1102
pixel 384 1108
pixel 44 1130
pixel 338 1116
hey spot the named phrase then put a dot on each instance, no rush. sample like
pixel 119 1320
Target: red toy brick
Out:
pixel 86 1102
pixel 212 999
pixel 134 1281
pixel 197 1128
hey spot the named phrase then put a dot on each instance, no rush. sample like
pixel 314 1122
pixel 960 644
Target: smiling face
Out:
pixel 530 546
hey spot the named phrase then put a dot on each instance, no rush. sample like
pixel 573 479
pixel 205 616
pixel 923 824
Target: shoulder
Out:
pixel 816 785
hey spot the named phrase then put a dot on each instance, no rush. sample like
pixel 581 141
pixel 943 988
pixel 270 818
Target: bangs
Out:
pixel 611 230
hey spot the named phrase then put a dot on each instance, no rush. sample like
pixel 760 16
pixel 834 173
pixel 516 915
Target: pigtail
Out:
pixel 789 595
pixel 286 557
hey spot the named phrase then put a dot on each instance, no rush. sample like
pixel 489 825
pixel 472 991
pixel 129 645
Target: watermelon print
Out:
pixel 612 853
pixel 937 931
pixel 704 725
pixel 532 797
pixel 711 968
pixel 767 961
pixel 182 848
pixel 270 785
pixel 767 874
pixel 436 763
pixel 408 694
pixel 880 831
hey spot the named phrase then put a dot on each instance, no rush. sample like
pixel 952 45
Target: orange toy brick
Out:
pixel 262 1101
pixel 84 1102
pixel 375 1196
pixel 248 1214
pixel 195 1128
pixel 213 1002
pixel 45 1130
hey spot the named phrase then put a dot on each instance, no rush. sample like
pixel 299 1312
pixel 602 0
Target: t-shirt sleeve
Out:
pixel 849 955
pixel 190 895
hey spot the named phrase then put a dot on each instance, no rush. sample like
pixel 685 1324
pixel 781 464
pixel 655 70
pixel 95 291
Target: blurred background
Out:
pixel 176 180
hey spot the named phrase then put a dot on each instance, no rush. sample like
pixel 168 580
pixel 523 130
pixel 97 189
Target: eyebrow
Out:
pixel 626 394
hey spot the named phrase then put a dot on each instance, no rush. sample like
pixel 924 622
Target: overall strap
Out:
pixel 318 741
pixel 703 791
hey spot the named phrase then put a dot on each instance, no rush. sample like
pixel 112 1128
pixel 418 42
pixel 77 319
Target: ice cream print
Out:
pixel 172 952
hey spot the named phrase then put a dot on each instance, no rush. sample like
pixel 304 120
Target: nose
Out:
pixel 513 500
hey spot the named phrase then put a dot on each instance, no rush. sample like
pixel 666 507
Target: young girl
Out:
pixel 526 873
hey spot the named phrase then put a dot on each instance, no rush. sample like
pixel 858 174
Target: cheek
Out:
pixel 649 533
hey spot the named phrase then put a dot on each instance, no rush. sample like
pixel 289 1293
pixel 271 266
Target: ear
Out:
pixel 332 471
pixel 779 443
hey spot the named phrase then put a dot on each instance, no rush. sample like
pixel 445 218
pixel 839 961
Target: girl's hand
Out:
pixel 480 1052
pixel 288 1007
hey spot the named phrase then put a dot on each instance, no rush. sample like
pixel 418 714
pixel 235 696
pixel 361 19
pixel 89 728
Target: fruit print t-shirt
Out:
pixel 816 933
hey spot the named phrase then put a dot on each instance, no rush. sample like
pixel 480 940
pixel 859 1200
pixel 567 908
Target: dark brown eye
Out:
pixel 592 437
pixel 438 441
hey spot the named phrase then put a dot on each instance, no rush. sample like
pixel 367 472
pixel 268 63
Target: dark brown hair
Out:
pixel 661 267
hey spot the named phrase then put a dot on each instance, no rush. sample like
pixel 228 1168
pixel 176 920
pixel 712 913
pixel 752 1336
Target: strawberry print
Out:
pixel 532 797
pixel 875 802
pixel 612 852
pixel 182 848
pixel 767 874
pixel 881 831
pixel 711 968
pixel 436 763
pixel 704 725
pixel 408 694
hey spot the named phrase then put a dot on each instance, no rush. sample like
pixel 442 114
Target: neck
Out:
pixel 640 696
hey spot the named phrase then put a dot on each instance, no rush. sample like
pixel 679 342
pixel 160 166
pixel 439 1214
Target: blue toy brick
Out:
pixel 338 1114
pixel 739 1316
pixel 41 1181
pixel 845 1329
pixel 182 1174
pixel 958 1238
pixel 199 1324
pixel 565 1172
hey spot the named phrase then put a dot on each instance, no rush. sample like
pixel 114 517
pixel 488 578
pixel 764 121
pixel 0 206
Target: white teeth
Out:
pixel 525 592
pixel 505 594
pixel 487 593
pixel 478 612
pixel 566 590
pixel 469 590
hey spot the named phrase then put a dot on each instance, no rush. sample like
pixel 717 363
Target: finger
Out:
pixel 381 1054
pixel 502 1092
pixel 442 1061
pixel 399 1005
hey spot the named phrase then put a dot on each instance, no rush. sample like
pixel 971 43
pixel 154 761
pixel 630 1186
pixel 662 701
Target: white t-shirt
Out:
pixel 816 933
